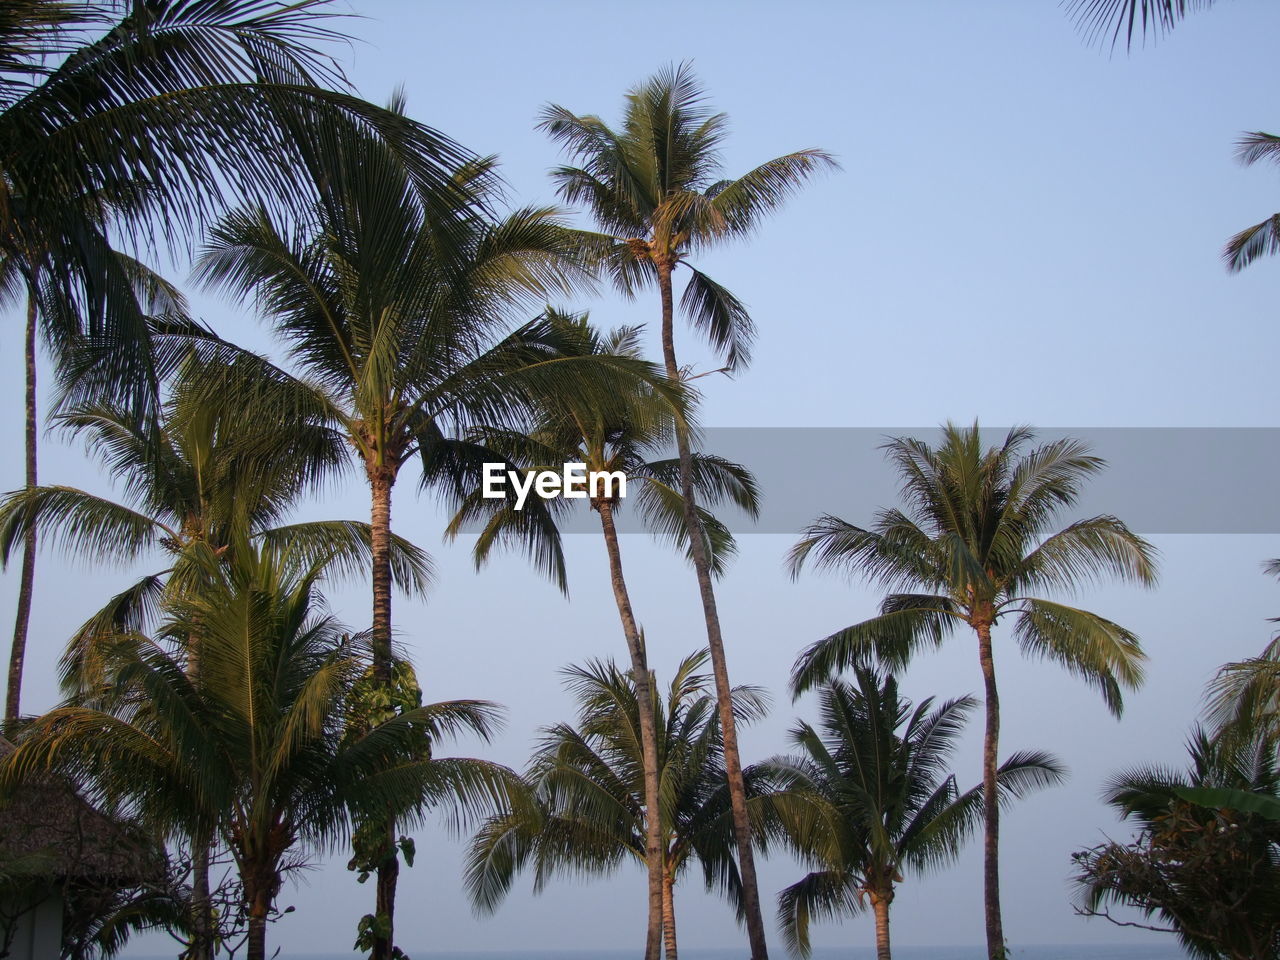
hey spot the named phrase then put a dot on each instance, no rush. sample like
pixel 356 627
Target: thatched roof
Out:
pixel 48 830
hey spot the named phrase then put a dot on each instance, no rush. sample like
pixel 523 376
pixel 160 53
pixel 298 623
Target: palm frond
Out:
pixel 1104 22
pixel 79 522
pixel 719 316
pixel 822 895
pixel 1085 551
pixel 743 201
pixel 344 547
pixel 891 638
pixel 1104 653
pixel 1260 240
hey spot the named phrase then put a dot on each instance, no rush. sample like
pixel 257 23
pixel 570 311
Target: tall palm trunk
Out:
pixel 648 733
pixel 259 908
pixel 381 480
pixel 385 904
pixel 990 799
pixel 201 902
pixel 669 915
pixel 26 585
pixel 201 840
pixel 257 943
pixel 261 884
pixel 715 642
pixel 880 900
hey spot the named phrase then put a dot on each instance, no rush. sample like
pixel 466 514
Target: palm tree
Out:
pixel 870 799
pixel 206 470
pixel 590 814
pixel 576 429
pixel 394 309
pixel 976 538
pixel 136 294
pixel 656 187
pixel 142 118
pixel 259 748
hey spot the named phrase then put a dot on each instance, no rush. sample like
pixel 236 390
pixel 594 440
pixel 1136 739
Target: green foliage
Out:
pixel 1206 859
pixel 207 469
pixel 396 310
pixel 1244 697
pixel 256 748
pixel 1224 798
pixel 586 813
pixel 870 798
pixel 976 537
pixel 655 186
pixel 142 119
pixel 629 435
pixel 371 929
pixel 378 698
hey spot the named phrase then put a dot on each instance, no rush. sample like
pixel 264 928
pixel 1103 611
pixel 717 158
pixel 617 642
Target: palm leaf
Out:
pixel 891 638
pixel 1103 653
pixel 720 316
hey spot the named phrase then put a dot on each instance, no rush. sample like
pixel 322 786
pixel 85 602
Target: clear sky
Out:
pixel 1025 230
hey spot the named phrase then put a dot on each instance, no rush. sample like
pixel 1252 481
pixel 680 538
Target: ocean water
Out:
pixel 1155 951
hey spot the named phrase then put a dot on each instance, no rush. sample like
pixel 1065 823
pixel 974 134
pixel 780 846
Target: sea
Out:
pixel 1155 951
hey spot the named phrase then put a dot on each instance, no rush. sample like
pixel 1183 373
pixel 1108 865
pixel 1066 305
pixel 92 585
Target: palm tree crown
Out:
pixel 975 541
pixel 633 435
pixel 394 311
pixel 655 184
pixel 143 118
pixel 199 476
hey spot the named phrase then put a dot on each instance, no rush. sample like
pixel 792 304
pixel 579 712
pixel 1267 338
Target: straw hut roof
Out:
pixel 48 830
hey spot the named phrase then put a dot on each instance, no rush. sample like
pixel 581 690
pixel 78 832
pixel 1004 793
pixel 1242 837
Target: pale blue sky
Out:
pixel 1025 230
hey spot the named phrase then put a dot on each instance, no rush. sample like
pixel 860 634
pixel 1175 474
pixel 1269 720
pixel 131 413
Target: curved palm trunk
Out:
pixel 715 641
pixel 381 481
pixel 648 735
pixel 669 915
pixel 990 799
pixel 880 900
pixel 26 585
